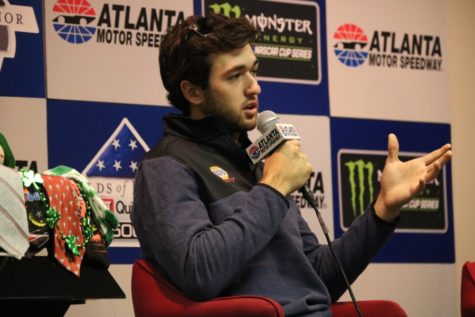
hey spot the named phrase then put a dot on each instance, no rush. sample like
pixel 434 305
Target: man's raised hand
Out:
pixel 402 181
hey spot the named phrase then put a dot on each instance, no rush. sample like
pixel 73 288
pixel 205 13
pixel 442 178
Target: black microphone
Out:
pixel 273 134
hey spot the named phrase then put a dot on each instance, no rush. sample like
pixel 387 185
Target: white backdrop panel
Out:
pixel 421 289
pixel 115 64
pixel 401 90
pixel 315 134
pixel 23 123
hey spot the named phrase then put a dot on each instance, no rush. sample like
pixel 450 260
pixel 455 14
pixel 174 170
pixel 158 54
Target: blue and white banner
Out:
pixel 359 148
pixel 78 79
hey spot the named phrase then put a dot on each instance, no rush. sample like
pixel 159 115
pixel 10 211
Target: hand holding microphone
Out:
pixel 286 168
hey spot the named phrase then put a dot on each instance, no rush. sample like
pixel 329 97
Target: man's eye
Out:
pixel 235 76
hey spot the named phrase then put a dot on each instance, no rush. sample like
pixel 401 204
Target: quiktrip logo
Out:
pixel 387 49
pixel 13 19
pixel 114 24
pixel 73 19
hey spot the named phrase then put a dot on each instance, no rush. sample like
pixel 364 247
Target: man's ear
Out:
pixel 192 93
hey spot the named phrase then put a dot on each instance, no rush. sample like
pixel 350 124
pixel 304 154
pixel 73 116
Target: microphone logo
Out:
pixel 273 134
pixel 288 131
pixel 253 152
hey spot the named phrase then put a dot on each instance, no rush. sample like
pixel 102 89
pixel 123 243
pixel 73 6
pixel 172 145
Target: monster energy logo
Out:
pixel 226 9
pixel 287 44
pixel 364 171
pixel 360 174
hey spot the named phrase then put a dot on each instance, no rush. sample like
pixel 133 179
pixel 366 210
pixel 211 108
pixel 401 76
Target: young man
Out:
pixel 218 225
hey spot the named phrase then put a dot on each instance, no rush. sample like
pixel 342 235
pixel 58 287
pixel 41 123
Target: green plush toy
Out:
pixel 6 155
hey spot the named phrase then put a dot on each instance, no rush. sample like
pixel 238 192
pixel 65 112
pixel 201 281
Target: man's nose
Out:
pixel 253 88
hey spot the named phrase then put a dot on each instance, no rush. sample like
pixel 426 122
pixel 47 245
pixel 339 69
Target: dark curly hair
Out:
pixel 185 50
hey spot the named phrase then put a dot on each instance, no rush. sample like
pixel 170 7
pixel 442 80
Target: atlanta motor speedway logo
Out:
pixel 254 152
pixel 73 21
pixel 387 49
pixel 350 41
pixel 79 22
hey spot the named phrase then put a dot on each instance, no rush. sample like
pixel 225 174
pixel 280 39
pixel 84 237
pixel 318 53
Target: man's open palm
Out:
pixel 402 181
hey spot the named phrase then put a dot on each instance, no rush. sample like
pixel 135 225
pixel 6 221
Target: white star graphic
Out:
pixel 117 165
pixel 133 166
pixel 116 144
pixel 100 165
pixel 133 144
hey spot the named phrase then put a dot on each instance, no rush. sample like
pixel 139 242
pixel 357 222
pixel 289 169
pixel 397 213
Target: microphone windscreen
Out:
pixel 266 120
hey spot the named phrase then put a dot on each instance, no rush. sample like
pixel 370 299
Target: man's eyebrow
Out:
pixel 241 67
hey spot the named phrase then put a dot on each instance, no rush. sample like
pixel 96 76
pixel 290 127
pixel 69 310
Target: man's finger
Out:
pixel 393 147
pixel 436 154
pixel 433 171
pixel 436 167
pixel 417 188
pixel 447 156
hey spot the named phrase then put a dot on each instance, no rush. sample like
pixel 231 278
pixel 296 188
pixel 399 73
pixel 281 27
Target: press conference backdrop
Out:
pixel 80 86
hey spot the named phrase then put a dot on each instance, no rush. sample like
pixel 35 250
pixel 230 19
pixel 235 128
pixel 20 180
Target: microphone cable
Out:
pixel 265 121
pixel 311 200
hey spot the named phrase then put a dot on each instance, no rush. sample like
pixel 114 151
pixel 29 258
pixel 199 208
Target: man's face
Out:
pixel 233 90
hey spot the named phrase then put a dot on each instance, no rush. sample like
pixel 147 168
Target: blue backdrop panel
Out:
pixel 77 130
pixel 364 136
pixel 302 98
pixel 296 99
pixel 288 97
pixel 23 75
pixel 124 255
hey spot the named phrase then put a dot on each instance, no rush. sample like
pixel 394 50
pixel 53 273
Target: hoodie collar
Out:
pixel 211 131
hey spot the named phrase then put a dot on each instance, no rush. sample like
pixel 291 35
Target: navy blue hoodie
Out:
pixel 204 220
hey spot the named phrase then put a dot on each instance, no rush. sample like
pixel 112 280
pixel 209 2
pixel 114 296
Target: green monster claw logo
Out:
pixel 359 167
pixel 360 177
pixel 226 9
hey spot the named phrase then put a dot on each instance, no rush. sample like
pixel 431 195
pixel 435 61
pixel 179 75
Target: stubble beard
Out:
pixel 232 117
